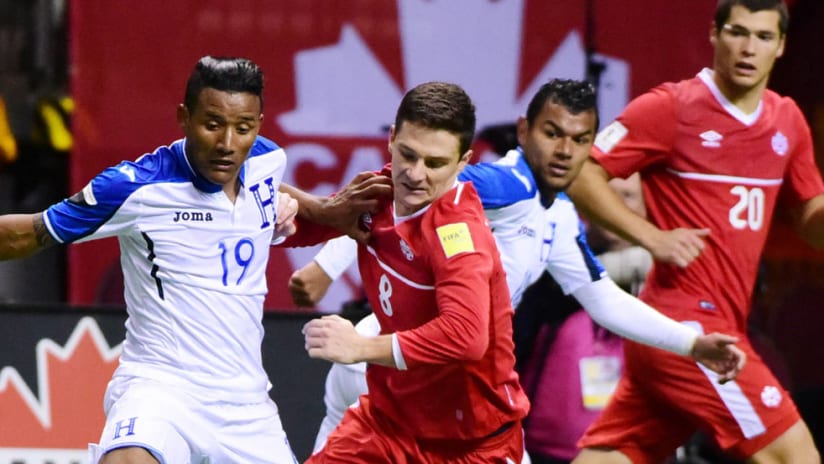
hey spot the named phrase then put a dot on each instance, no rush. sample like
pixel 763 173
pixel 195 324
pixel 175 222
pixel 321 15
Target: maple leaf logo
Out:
pixel 431 50
pixel 67 411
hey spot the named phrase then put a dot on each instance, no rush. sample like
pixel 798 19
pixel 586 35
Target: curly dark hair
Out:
pixel 575 96
pixel 227 74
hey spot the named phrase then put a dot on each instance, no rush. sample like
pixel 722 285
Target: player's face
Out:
pixel 556 145
pixel 425 164
pixel 219 133
pixel 746 48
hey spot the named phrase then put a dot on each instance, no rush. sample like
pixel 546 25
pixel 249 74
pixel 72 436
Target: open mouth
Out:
pixel 559 170
pixel 745 68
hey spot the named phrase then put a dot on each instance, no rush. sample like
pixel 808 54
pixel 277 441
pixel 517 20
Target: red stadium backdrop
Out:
pixel 335 72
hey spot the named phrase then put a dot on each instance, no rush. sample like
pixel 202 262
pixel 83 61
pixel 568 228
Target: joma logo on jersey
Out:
pixel 192 216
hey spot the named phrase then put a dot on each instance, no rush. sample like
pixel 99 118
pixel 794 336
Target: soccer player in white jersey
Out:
pixel 713 152
pixel 195 220
pixel 536 228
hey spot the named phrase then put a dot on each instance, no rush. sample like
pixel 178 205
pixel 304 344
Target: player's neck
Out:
pixel 232 189
pixel 745 99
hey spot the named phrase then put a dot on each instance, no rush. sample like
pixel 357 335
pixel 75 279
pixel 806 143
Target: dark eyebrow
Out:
pixel 558 129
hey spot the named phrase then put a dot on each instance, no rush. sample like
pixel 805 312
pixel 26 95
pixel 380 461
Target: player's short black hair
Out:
pixel 722 11
pixel 226 74
pixel 439 105
pixel 576 96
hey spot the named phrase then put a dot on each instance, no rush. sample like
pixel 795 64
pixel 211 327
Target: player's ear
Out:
pixel 183 116
pixel 391 137
pixel 713 33
pixel 465 158
pixel 522 129
pixel 782 41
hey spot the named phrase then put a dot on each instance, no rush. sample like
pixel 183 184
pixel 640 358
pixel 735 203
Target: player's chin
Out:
pixel 558 184
pixel 221 176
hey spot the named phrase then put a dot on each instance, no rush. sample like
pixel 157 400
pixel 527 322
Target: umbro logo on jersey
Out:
pixel 192 216
pixel 711 139
pixel 780 145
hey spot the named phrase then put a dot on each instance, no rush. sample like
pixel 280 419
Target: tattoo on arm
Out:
pixel 41 233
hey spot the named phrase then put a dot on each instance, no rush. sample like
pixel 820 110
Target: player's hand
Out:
pixel 678 246
pixel 718 353
pixel 363 194
pixel 308 285
pixel 286 213
pixel 332 338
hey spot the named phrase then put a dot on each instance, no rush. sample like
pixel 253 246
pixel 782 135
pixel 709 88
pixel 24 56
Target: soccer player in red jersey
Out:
pixel 442 384
pixel 713 152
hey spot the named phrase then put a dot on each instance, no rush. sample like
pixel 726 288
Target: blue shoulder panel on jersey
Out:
pixel 83 213
pixel 500 184
pixel 262 146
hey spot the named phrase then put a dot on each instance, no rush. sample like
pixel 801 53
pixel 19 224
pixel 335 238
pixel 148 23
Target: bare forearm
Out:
pixel 376 350
pixel 310 205
pixel 22 235
pixel 810 221
pixel 593 196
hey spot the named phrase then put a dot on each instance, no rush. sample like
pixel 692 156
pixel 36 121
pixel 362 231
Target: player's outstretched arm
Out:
pixel 623 314
pixel 593 196
pixel 22 235
pixel 343 210
pixel 718 352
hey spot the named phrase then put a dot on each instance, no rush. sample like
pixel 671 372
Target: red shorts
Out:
pixel 663 398
pixel 365 435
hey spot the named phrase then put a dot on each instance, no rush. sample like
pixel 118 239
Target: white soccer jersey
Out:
pixel 531 237
pixel 193 264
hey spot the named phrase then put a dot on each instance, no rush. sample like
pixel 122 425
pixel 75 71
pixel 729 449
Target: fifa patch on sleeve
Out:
pixel 610 136
pixel 455 238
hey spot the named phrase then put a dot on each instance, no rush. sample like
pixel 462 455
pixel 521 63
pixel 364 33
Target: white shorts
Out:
pixel 177 428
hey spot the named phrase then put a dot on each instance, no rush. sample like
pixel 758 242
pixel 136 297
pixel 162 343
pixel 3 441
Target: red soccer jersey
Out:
pixel 704 163
pixel 436 280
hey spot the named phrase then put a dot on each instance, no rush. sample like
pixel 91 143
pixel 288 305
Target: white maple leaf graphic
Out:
pixel 344 90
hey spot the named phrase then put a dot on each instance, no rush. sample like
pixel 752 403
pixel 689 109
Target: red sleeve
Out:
pixel 642 134
pixel 462 289
pixel 308 234
pixel 803 178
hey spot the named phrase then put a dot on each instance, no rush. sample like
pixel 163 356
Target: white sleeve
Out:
pixel 629 317
pixel 628 266
pixel 337 255
pixel 344 384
